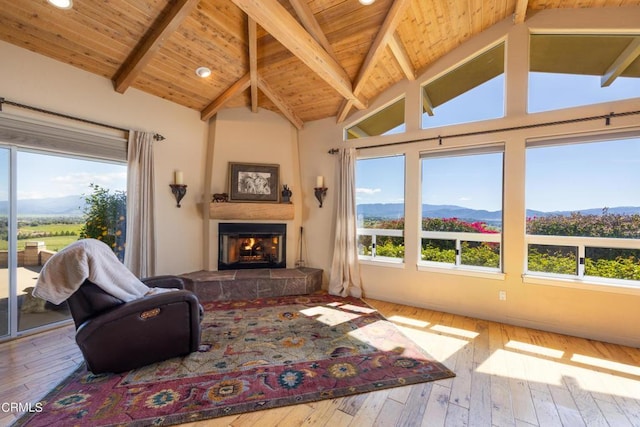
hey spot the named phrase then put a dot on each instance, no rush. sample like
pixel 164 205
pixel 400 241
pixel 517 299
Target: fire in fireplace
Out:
pixel 250 245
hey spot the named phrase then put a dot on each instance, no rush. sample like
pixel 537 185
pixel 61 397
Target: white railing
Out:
pixel 374 233
pixel 459 237
pixel 580 243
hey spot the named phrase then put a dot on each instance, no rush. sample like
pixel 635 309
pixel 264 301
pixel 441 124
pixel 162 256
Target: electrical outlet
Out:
pixel 502 295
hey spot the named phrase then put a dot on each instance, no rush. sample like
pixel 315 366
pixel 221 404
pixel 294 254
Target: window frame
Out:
pixel 580 280
pixel 375 259
pixel 459 237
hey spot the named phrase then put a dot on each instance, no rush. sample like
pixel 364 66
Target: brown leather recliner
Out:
pixel 116 336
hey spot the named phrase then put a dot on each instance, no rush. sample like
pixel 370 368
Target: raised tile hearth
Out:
pixel 231 285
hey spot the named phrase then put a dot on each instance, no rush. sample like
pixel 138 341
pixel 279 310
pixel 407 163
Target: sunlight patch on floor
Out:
pixel 556 372
pixel 534 349
pixel 455 331
pixel 329 316
pixel 606 364
pixel 441 347
pixel 409 321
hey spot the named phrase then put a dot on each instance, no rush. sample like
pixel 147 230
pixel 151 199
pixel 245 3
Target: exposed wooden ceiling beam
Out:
pixel 152 42
pixel 280 103
pixel 343 111
pixel 276 20
pixel 427 105
pixel 391 22
pixel 621 63
pixel 253 63
pixel 311 24
pixel 520 11
pixel 401 55
pixel 211 109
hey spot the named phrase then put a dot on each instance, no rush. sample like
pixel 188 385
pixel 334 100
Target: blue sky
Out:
pixel 591 175
pixel 41 176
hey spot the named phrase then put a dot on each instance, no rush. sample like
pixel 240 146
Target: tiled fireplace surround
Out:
pixel 253 283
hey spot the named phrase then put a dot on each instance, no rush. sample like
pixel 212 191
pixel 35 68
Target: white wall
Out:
pixel 607 315
pixel 32 79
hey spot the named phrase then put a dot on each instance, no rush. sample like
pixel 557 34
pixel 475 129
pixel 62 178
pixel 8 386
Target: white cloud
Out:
pixel 78 183
pixel 369 191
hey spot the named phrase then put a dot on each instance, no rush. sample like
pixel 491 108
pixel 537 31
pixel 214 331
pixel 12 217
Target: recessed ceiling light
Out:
pixel 366 2
pixel 203 72
pixel 62 4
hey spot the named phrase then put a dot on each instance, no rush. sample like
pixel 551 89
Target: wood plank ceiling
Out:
pixel 306 59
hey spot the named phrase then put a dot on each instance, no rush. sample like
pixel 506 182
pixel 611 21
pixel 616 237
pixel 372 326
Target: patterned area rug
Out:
pixel 254 355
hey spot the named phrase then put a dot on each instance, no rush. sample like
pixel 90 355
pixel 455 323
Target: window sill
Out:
pixel 461 271
pixel 601 285
pixel 382 262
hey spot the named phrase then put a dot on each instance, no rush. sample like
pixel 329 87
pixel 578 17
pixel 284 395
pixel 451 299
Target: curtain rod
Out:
pixel 607 118
pixel 156 136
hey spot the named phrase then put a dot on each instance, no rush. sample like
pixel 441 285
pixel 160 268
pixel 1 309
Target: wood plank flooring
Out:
pixel 506 376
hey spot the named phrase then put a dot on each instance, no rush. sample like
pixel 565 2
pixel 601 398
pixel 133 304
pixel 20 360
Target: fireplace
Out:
pixel 250 245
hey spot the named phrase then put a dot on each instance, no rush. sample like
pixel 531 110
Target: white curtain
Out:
pixel 140 252
pixel 345 270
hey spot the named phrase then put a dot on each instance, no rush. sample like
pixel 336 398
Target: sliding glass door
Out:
pixel 5 156
pixel 56 200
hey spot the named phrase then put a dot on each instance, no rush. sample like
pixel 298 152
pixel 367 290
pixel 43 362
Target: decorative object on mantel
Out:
pixel 320 190
pixel 286 194
pixel 178 188
pixel 250 182
pixel 220 197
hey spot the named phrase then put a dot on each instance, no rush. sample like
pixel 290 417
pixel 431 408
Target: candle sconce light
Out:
pixel 320 190
pixel 178 188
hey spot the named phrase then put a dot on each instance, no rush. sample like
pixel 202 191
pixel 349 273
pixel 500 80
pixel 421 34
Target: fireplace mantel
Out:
pixel 251 211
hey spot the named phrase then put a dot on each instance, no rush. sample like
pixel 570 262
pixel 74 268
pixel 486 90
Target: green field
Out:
pixel 50 234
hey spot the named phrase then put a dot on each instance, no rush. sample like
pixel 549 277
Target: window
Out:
pixel 388 120
pixel 57 184
pixel 472 92
pixel 462 208
pixel 569 70
pixel 380 208
pixel 583 209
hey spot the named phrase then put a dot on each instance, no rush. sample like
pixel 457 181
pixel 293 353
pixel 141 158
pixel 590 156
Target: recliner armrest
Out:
pixel 166 281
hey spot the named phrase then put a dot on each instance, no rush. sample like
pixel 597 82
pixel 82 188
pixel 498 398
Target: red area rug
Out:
pixel 254 355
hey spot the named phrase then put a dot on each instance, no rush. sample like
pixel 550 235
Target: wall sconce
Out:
pixel 320 190
pixel 178 188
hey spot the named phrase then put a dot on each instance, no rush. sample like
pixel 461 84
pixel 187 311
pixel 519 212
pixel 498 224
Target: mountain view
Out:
pixel 396 210
pixel 63 206
pixel 75 205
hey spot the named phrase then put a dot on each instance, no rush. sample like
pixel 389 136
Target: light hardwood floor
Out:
pixel 506 376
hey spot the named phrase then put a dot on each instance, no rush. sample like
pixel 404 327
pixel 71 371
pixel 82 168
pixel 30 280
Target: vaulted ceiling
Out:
pixel 306 59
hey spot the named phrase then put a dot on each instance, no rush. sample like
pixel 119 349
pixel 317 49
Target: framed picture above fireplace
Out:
pixel 254 182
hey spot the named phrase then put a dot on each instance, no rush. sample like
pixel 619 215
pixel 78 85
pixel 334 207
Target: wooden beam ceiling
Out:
pixel 239 86
pixel 391 22
pixel 621 63
pixel 276 20
pixel 152 42
pixel 402 57
pixel 311 24
pixel 280 103
pixel 253 63
pixel 520 11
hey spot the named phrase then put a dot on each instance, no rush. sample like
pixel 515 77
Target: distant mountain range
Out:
pixel 74 206
pixel 396 210
pixel 62 206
